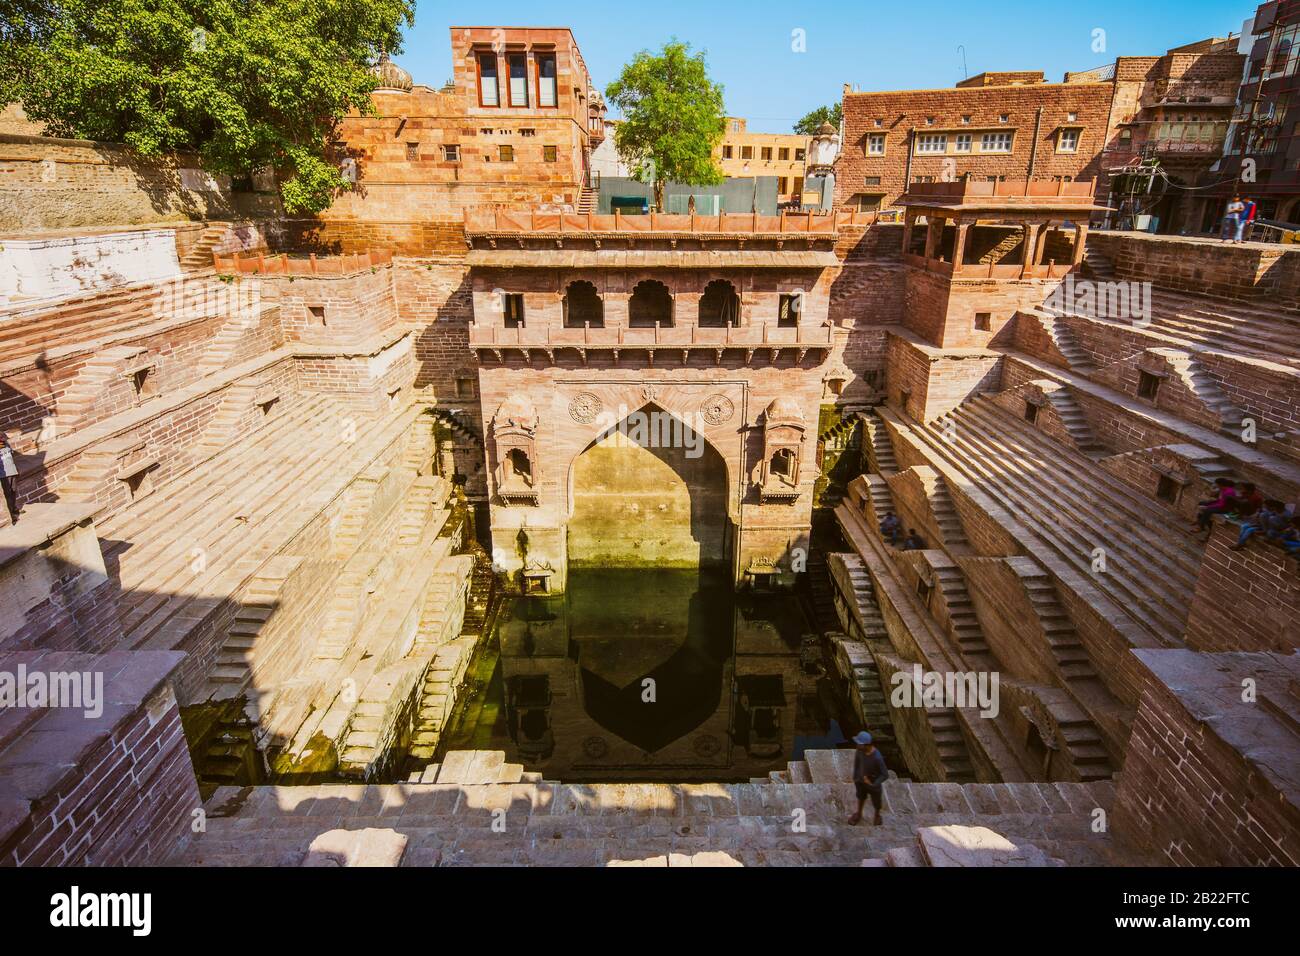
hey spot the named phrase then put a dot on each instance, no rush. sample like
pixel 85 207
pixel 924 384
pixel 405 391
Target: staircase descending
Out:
pixel 1074 507
pixel 587 200
pixel 199 256
pixel 1205 387
pixel 966 628
pixel 945 513
pixel 880 451
pixel 1076 423
pixel 1076 358
pixel 953 755
pixel 1097 266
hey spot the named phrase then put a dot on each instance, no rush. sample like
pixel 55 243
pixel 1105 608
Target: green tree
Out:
pixel 672 118
pixel 244 83
pixel 809 125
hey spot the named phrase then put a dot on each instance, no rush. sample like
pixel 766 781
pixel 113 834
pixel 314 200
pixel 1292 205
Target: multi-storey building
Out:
pixel 514 128
pixel 1168 118
pixel 1262 153
pixel 991 127
pixel 744 155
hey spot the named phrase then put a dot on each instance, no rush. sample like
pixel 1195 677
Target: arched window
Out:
pixel 519 464
pixel 651 304
pixel 783 463
pixel 583 306
pixel 720 305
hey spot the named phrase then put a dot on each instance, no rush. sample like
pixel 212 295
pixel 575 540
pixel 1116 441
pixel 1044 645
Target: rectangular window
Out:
pixel 506 153
pixel 871 180
pixel 1031 413
pixel 518 65
pixel 1148 386
pixel 767 154
pixel 784 154
pixel 869 202
pixel 547 84
pixel 984 321
pixel 932 143
pixel 787 316
pixel 798 155
pixel 513 303
pixel 798 186
pixel 962 143
pixel 747 152
pixel 876 144
pixel 550 154
pixel 412 152
pixel 1068 141
pixel 489 94
pixel 995 143
pixel 727 151
pixel 1167 489
pixel 781 184
pixel 451 153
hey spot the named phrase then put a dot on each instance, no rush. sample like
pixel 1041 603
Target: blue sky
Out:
pixel 873 45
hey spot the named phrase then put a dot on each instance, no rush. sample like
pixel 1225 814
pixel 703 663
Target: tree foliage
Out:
pixel 809 125
pixel 673 117
pixel 244 83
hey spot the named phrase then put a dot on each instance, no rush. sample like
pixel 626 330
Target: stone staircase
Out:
pixel 587 200
pixel 882 499
pixel 1074 507
pixel 438 696
pixel 1062 638
pixel 231 674
pixel 199 256
pixel 85 396
pixel 965 626
pixel 235 510
pixel 944 512
pixel 880 450
pixel 951 746
pixel 1205 387
pixel 1097 265
pixel 1075 422
pixel 222 428
pixel 857 666
pixel 221 350
pixel 1075 356
pixel 821 593
pixel 445 819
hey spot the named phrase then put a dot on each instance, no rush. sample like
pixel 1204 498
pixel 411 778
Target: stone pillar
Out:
pixel 1031 248
pixel 1080 238
pixel 909 220
pixel 932 235
pixel 959 246
pixel 686 309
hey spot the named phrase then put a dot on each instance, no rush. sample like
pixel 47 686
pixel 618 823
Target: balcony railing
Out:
pixel 495 336
pixel 1013 191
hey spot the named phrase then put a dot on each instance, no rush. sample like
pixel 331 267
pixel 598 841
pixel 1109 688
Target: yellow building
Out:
pixel 743 154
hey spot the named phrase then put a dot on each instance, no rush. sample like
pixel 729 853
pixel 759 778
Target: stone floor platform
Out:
pixel 548 824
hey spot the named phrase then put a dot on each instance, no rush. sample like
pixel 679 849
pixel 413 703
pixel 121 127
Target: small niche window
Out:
pixel 451 153
pixel 1169 489
pixel 1148 385
pixel 747 152
pixel 787 316
pixel 1031 412
pixel 513 306
pixel 144 383
pixel 1068 141
pixel 550 154
pixel 876 144
pixel 984 321
pixel 506 153
pixel 412 152
pixel 924 589
pixel 464 388
pixel 317 313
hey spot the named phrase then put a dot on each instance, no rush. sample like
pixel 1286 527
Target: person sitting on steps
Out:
pixel 913 541
pixel 891 528
pixel 1272 520
pixel 1215 506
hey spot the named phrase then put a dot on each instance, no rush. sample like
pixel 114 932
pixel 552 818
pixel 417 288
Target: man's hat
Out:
pixel 862 738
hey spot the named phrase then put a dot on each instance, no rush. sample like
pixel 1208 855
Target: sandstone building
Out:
pixel 742 154
pixel 388 535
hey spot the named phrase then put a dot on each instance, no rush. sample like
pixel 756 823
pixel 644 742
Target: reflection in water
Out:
pixel 647 674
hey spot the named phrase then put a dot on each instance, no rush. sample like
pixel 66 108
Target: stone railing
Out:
pixel 1014 191
pixel 493 336
pixel 311 265
pixel 548 223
